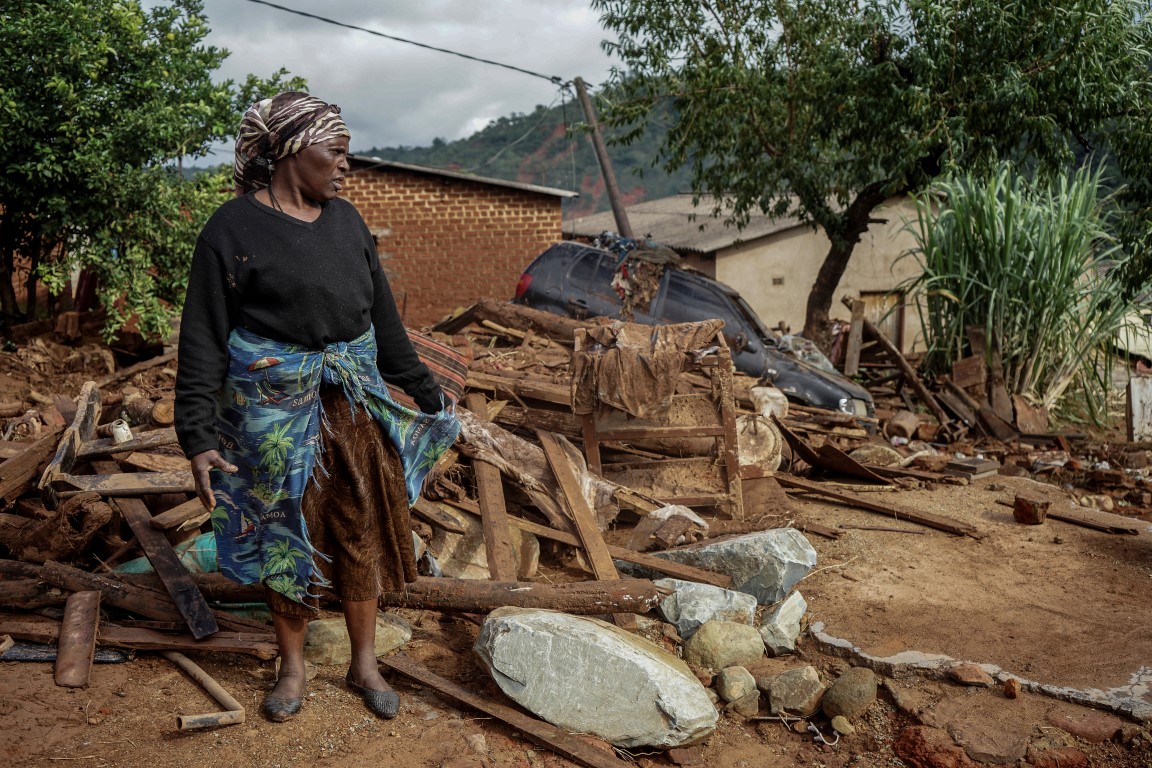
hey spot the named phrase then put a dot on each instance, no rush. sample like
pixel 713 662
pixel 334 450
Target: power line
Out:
pixel 555 79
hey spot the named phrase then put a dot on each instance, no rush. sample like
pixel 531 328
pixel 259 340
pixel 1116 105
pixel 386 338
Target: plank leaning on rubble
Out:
pixel 497 537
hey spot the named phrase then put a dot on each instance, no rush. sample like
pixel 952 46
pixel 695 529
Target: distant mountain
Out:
pixel 550 147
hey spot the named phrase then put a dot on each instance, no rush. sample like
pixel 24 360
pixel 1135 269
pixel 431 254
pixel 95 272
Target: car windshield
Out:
pixel 753 319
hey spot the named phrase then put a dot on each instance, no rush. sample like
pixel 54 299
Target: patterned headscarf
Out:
pixel 275 128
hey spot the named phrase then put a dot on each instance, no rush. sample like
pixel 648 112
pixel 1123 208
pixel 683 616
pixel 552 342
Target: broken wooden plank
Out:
pixel 578 597
pixel 938 522
pixel 1095 519
pixel 855 337
pixel 155 462
pixel 502 561
pixel 190 512
pixel 433 514
pixel 18 472
pixel 124 483
pixel 970 371
pixel 82 428
pixel 77 643
pixel 545 734
pixel 38 629
pixel 910 374
pixel 142 442
pixel 521 388
pixel 583 517
pixel 172 572
pixel 818 529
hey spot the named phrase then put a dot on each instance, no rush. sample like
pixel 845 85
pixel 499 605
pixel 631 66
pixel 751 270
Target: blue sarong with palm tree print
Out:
pixel 269 421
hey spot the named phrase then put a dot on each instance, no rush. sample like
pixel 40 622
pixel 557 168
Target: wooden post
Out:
pixel 855 339
pixel 497 536
pixel 605 163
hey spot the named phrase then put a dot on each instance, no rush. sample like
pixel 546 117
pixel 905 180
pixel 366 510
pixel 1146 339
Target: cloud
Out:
pixel 393 93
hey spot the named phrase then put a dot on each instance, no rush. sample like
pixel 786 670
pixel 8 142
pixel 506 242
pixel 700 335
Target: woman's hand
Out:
pixel 201 464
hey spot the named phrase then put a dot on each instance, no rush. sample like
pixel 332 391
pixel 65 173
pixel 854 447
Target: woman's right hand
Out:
pixel 201 464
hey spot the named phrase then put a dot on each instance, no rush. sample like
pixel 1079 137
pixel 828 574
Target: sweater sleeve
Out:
pixel 202 366
pixel 395 357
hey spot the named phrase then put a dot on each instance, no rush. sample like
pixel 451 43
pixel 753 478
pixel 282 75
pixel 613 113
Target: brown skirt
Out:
pixel 355 510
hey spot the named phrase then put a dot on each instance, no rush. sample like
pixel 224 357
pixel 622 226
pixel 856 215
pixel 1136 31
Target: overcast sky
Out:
pixel 394 93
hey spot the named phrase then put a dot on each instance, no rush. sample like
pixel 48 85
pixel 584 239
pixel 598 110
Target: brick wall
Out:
pixel 446 242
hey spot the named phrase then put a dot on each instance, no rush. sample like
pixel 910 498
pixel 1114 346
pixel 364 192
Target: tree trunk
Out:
pixel 844 232
pixel 31 281
pixel 8 238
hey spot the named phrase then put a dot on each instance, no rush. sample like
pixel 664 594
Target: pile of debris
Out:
pixel 631 455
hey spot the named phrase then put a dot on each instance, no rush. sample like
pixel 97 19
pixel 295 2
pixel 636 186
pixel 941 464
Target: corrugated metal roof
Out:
pixel 376 162
pixel 676 222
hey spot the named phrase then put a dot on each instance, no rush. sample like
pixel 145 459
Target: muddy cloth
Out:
pixel 355 511
pixel 270 424
pixel 638 276
pixel 634 368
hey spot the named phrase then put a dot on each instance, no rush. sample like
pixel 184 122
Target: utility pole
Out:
pixel 625 229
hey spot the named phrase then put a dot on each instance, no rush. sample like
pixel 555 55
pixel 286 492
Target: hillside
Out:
pixel 549 147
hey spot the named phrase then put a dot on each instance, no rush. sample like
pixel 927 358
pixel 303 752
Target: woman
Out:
pixel 288 335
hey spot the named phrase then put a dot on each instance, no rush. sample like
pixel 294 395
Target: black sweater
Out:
pixel 307 283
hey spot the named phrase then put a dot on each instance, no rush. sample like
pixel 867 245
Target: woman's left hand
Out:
pixel 201 464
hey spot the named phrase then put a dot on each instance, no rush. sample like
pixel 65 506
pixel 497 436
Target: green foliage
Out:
pixel 1033 264
pixel 824 108
pixel 549 147
pixel 97 99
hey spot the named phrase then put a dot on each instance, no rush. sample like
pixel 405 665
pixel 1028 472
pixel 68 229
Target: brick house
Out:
pixel 446 238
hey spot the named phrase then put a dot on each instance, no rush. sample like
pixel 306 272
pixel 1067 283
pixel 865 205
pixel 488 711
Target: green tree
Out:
pixel 99 100
pixel 824 108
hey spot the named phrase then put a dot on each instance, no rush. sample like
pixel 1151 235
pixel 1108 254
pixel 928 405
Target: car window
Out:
pixel 687 301
pixel 593 272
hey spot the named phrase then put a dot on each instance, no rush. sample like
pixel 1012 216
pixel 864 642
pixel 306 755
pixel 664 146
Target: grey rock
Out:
pixel 795 692
pixel 765 564
pixel 692 604
pixel 587 676
pixel 326 640
pixel 851 693
pixel 987 743
pixel 781 627
pixel 747 705
pixel 719 644
pixel 735 683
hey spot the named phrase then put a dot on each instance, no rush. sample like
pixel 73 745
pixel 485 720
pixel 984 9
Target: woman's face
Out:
pixel 318 169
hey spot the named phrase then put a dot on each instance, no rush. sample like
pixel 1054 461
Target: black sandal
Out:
pixel 386 704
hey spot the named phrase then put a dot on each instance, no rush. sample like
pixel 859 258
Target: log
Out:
pixel 580 597
pixel 565 744
pixel 141 442
pixel 556 327
pixel 38 629
pixel 16 474
pixel 77 643
pixel 164 412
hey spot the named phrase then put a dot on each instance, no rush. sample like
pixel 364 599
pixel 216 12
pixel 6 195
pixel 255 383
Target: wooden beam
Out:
pixel 434 515
pixel 502 560
pixel 567 745
pixel 77 643
pixel 578 597
pixel 124 483
pixel 177 516
pixel 166 563
pixel 18 472
pixel 939 522
pixel 855 337
pixel 145 440
pixel 584 518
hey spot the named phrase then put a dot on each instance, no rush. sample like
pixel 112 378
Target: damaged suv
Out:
pixel 578 280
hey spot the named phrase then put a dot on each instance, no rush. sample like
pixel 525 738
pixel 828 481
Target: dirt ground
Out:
pixel 1055 604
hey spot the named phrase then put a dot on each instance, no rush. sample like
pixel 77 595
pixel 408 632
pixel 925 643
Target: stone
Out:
pixel 879 455
pixel 922 747
pixel 986 742
pixel 691 604
pixel 326 640
pixel 735 683
pixel 1028 511
pixel 748 705
pixel 585 675
pixel 1092 726
pixel 1064 757
pixel 719 644
pixel 841 725
pixel 1011 688
pixel 781 626
pixel 909 701
pixel 967 673
pixel 686 755
pixel 464 556
pixel 851 693
pixel 795 692
pixel 764 564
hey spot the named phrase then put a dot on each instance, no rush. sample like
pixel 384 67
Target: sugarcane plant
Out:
pixel 1035 265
